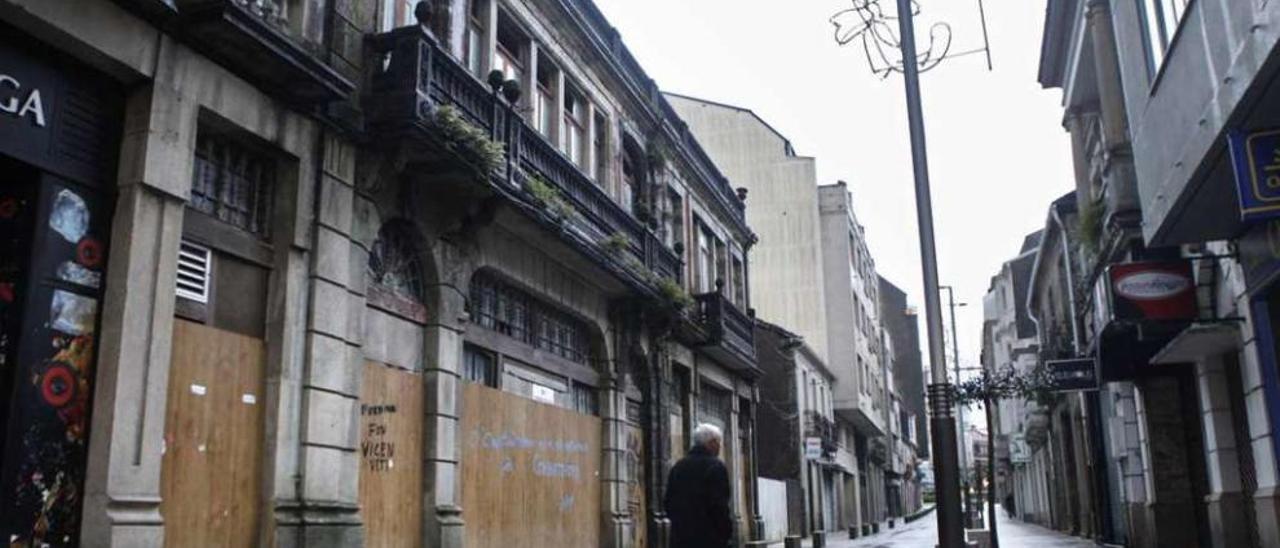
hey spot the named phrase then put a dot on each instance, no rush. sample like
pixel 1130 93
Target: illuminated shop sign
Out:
pixel 1159 291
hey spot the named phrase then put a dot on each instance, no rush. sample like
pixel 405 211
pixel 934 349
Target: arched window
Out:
pixel 395 272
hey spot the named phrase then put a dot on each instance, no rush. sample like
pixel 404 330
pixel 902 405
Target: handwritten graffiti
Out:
pixel 507 440
pixel 377 448
pixel 549 469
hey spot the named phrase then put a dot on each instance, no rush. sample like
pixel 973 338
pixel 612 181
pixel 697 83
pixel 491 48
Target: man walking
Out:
pixel 697 500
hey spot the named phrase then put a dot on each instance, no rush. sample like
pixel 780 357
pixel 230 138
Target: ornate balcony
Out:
pixel 731 333
pixel 250 38
pixel 414 79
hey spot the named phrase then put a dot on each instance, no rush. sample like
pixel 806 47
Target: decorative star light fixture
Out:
pixel 866 21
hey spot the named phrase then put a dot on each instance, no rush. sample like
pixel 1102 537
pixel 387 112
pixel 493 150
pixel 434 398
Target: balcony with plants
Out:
pixel 422 98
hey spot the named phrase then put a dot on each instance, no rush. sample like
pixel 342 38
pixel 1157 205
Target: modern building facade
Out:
pixel 337 273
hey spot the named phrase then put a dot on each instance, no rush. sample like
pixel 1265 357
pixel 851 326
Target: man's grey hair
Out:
pixel 704 433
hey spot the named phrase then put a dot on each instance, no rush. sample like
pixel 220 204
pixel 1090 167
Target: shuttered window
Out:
pixel 195 267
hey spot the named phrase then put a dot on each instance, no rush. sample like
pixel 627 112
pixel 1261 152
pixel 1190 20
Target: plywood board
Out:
pixel 636 485
pixel 391 418
pixel 211 474
pixel 530 472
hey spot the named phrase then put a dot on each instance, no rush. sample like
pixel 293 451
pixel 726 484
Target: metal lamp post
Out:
pixel 950 526
pixel 865 21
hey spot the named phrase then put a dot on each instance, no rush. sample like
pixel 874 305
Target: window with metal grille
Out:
pixel 480 367
pixel 195 268
pixel 233 183
pixel 503 308
pixel 585 399
pixel 713 406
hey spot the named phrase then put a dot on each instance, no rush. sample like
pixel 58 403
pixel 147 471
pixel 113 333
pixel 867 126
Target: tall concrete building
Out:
pixel 902 323
pixel 812 274
pixel 788 283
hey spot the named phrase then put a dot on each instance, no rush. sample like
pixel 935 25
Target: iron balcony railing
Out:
pixel 730 330
pixel 252 39
pixel 414 76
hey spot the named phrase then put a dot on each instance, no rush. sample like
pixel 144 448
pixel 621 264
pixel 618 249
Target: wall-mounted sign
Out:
pixel 1163 290
pixel 812 448
pixel 1255 158
pixel 1019 449
pixel 1071 375
pixel 57 115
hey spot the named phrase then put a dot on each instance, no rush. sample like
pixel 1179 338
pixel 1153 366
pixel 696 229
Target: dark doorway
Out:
pixel 17 194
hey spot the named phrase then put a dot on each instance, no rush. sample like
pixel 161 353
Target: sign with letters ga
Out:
pixel 1255 157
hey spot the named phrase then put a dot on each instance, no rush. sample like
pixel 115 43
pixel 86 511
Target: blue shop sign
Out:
pixel 1256 159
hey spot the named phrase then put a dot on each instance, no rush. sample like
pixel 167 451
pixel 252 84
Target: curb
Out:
pixel 922 513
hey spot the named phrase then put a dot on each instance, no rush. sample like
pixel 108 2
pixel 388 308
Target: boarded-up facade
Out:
pixel 349 301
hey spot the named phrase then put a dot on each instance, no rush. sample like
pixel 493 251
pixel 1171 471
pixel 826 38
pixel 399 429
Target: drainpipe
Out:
pixel 1071 278
pixel 1093 404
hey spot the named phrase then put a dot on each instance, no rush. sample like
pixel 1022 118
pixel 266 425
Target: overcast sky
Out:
pixel 998 153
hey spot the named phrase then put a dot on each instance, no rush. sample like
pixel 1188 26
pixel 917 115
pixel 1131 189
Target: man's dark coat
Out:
pixel 697 502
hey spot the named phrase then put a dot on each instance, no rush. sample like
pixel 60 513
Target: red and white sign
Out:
pixel 1163 290
pixel 1151 286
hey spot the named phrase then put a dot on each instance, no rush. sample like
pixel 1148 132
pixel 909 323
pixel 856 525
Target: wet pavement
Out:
pixel 923 533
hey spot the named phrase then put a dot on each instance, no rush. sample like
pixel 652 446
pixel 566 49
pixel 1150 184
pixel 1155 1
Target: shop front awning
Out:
pixel 1199 340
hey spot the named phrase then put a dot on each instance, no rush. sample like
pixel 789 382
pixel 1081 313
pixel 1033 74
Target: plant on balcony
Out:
pixel 674 295
pixel 550 197
pixel 469 141
pixel 1091 220
pixel 616 243
pixel 658 155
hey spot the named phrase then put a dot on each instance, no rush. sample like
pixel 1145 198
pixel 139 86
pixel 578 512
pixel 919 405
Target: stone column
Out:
pixel 315 488
pixel 1254 373
pixel 619 524
pixel 731 453
pixel 1117 170
pixel 1225 502
pixel 122 486
pixel 443 514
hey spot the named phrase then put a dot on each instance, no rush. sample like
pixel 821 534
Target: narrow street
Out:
pixel 924 533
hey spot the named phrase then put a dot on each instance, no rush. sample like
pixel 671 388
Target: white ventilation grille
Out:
pixel 194 270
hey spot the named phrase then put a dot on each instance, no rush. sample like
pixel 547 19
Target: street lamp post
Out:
pixel 950 526
pixel 960 428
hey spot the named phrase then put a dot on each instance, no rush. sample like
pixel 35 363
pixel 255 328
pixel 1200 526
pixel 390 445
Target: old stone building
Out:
pixel 1173 268
pixel 340 272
